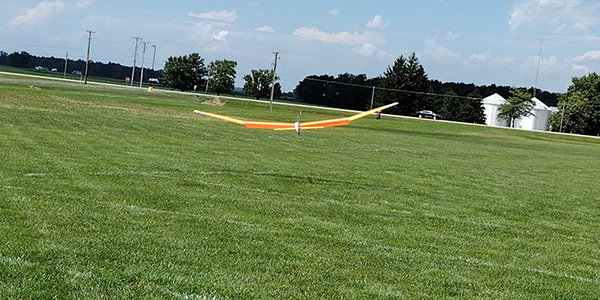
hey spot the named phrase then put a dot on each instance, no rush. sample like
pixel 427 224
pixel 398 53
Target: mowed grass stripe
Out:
pixel 124 194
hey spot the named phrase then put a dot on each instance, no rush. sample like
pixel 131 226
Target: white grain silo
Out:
pixel 491 106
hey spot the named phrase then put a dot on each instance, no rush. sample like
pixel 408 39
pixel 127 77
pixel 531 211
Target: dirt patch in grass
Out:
pixel 216 101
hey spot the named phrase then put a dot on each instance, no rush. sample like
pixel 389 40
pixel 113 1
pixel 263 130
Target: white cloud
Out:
pixel 334 12
pixel 370 50
pixel 37 16
pixel 366 49
pixel 591 55
pixel 346 38
pixel 221 16
pixel 559 15
pixel 377 22
pixel 84 4
pixel 265 29
pixel 478 58
pixel 209 38
pixel 452 35
pixel 582 69
pixel 440 53
pixel 221 35
pixel 386 56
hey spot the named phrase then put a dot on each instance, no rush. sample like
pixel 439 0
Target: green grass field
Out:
pixel 116 194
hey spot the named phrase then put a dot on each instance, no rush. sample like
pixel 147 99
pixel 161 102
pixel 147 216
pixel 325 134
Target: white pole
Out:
pixel 372 97
pixel 66 63
pixel 143 56
pixel 134 59
pixel 153 57
pixel 538 69
pixel 207 78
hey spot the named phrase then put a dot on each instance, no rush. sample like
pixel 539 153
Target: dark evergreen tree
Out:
pixel 405 82
pixel 450 106
pixel 471 109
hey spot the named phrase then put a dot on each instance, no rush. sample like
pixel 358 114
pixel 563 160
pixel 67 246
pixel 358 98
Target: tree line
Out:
pixel 407 83
pixel 578 110
pixel 96 69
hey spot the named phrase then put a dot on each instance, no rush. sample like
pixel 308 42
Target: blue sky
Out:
pixel 481 42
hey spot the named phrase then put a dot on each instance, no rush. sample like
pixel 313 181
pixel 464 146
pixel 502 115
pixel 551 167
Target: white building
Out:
pixel 539 120
pixel 491 105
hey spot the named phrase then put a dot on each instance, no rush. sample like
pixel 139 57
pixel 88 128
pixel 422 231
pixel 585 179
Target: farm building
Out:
pixel 491 105
pixel 539 120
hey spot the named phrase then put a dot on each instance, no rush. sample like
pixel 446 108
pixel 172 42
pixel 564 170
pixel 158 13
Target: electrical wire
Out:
pixel 392 90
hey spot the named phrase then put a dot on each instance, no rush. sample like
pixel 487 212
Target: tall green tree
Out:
pixel 450 105
pixel 468 109
pixel 258 83
pixel 573 115
pixel 518 105
pixel 277 93
pixel 586 90
pixel 405 82
pixel 471 109
pixel 222 76
pixel 346 91
pixel 312 89
pixel 184 72
pixel 3 58
pixel 351 92
pixel 19 60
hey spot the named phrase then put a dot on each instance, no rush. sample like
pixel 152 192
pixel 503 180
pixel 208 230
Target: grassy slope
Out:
pixel 121 194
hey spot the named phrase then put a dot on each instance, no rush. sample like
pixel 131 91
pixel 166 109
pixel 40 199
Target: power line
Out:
pixel 39 46
pixel 392 90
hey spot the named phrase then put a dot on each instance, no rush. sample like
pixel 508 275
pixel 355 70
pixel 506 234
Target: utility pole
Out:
pixel 273 86
pixel 143 56
pixel 66 62
pixel 562 117
pixel 137 39
pixel 87 60
pixel 207 79
pixel 372 97
pixel 153 57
